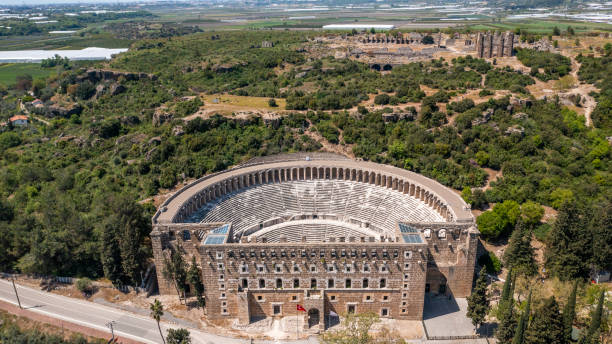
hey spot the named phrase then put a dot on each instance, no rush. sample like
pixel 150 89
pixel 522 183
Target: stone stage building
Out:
pixel 494 44
pixel 319 230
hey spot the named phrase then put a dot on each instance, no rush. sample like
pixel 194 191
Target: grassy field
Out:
pixel 9 71
pixel 243 101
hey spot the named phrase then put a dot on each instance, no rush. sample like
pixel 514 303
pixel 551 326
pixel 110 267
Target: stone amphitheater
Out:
pixel 319 230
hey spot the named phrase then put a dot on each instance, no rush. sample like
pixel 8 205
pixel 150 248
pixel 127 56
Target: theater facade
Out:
pixel 327 233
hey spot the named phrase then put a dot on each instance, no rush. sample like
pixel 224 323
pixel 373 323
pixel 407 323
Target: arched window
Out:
pixel 442 233
pixel 330 283
pixel 262 283
pixel 279 283
pixel 365 283
pixel 313 283
pixel 347 283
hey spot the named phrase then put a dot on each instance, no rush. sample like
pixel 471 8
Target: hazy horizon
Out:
pixel 64 2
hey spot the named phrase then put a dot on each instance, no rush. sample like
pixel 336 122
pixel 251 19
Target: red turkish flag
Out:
pixel 300 308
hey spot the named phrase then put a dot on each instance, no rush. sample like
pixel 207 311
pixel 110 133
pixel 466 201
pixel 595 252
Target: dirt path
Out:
pixel 584 89
pixel 27 112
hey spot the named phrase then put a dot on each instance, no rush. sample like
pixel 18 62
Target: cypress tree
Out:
pixel 569 312
pixel 478 302
pixel 506 316
pixel 507 322
pixel 522 324
pixel 180 273
pixel 194 278
pixel 601 227
pixel 519 254
pixel 547 326
pixel 505 296
pixel 569 252
pixel 596 318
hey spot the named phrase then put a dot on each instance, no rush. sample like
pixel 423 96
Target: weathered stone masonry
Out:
pixel 363 264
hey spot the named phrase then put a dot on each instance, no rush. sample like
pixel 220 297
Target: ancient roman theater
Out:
pixel 319 230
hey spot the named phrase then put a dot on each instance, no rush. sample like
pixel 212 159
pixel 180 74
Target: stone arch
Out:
pixel 314 317
pixel 376 66
pixel 387 67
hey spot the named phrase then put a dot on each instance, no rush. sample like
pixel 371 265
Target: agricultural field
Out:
pixel 10 71
pixel 63 41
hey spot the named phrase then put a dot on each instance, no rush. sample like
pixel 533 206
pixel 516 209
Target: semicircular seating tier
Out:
pixel 313 200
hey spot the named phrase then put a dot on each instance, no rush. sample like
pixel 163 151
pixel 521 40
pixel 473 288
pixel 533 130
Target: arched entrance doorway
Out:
pixel 313 317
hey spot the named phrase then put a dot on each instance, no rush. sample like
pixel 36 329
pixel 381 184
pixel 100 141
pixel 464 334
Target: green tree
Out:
pixel 174 270
pixel 356 330
pixel 500 220
pixel 569 313
pixel 110 255
pixel 600 226
pixel 427 39
pixel 519 334
pixel 507 322
pixel 482 158
pixel 180 273
pixel 591 334
pixel 382 99
pixel 124 248
pixel 547 327
pixel 157 311
pixel 478 301
pixel 84 285
pixel 519 253
pixel 194 278
pixel 178 336
pixel 506 316
pixel 531 213
pixel 466 194
pixel 559 196
pixel 569 250
pixel 556 31
pixel 506 294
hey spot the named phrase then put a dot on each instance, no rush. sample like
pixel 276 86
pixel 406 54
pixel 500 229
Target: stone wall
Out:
pixel 451 250
pixel 494 44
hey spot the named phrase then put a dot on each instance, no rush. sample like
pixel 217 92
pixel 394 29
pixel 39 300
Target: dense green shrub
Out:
pixel 554 65
pixel 490 261
pixel 500 220
pixel 381 99
pixel 506 79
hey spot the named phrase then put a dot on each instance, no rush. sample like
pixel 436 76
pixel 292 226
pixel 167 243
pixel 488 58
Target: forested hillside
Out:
pixel 72 191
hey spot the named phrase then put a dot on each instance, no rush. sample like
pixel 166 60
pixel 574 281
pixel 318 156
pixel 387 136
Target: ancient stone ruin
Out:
pixel 494 44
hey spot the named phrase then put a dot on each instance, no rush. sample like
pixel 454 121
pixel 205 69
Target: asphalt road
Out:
pixel 96 316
